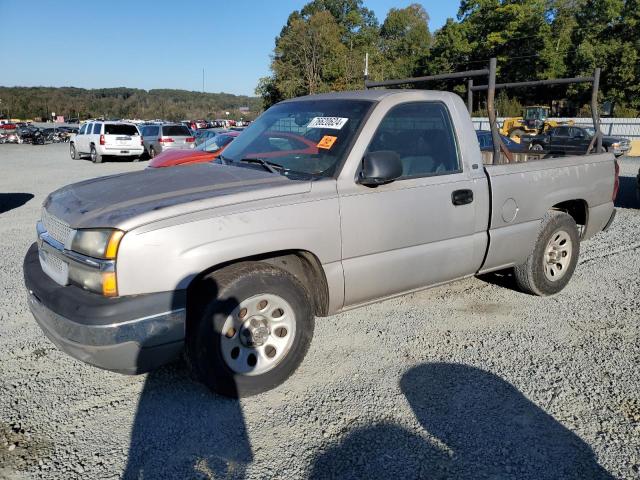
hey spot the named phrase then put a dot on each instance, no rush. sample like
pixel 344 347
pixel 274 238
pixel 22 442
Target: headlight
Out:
pixel 615 145
pixel 102 243
pixel 94 280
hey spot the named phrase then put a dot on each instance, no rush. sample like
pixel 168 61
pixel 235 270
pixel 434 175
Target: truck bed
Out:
pixel 522 193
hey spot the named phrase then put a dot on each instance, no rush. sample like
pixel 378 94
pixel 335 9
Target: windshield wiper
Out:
pixel 270 166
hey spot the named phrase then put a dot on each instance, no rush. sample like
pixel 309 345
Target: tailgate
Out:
pixel 121 136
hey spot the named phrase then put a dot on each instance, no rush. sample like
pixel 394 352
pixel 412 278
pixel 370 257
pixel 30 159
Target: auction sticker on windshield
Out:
pixel 334 123
pixel 327 142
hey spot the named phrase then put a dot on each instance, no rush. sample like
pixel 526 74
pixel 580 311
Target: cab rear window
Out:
pixel 115 129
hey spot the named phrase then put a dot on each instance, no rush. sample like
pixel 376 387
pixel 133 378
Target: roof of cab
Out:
pixel 371 95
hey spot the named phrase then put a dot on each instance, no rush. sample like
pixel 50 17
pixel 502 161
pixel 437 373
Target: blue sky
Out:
pixel 152 44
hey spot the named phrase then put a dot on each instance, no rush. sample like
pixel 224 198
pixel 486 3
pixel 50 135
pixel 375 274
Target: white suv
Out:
pixel 100 139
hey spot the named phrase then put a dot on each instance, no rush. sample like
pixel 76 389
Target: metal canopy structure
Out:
pixel 491 88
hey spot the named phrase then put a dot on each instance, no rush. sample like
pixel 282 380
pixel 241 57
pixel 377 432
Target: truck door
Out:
pixel 559 140
pixel 420 229
pixel 579 141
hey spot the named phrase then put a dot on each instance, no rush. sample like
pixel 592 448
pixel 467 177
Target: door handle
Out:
pixel 462 197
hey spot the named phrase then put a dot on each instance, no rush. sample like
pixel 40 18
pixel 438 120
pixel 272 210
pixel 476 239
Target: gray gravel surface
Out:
pixel 470 380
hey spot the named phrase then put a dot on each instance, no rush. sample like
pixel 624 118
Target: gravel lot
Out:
pixel 470 380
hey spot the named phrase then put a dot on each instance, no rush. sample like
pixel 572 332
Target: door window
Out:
pixel 421 133
pixel 96 128
pixel 561 132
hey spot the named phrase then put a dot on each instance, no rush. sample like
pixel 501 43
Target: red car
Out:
pixel 291 144
pixel 206 152
pixel 8 126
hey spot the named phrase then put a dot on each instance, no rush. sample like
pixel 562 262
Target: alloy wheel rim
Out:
pixel 258 334
pixel 557 256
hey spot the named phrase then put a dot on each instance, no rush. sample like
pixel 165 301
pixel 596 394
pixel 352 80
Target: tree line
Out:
pixel 40 102
pixel 322 48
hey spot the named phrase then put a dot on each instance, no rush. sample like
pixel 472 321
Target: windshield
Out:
pixel 535 113
pixel 214 143
pixel 308 137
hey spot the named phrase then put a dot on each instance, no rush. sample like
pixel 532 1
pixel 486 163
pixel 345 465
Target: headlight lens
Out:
pixel 102 243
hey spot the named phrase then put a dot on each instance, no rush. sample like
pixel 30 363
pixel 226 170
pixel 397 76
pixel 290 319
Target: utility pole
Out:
pixel 366 66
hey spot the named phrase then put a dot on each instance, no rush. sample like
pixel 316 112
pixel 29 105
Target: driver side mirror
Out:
pixel 380 167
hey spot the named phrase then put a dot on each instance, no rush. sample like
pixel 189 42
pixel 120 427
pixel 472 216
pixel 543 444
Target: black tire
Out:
pixel 536 147
pixel 135 159
pixel 95 156
pixel 222 292
pixel 531 276
pixel 152 152
pixel 72 151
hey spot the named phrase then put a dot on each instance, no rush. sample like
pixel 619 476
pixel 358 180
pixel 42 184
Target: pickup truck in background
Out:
pixel 575 141
pixel 231 261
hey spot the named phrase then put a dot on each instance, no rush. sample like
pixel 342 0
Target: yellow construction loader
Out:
pixel 533 122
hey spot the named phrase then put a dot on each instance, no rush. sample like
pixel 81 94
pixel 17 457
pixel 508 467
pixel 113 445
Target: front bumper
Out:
pixel 125 334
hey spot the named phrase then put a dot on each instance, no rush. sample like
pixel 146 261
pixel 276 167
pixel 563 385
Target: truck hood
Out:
pixel 129 200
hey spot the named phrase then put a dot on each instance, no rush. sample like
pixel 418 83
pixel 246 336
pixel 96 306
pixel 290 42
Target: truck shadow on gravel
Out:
pixel 628 194
pixel 483 428
pixel 183 430
pixel 9 201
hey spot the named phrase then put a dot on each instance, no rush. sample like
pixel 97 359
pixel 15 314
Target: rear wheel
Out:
pixel 95 156
pixel 536 147
pixel 253 332
pixel 152 152
pixel 553 260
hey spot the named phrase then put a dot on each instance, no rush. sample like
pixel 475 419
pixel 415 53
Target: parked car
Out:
pixel 8 126
pixel 232 262
pixel 202 135
pixel 486 142
pixel 100 139
pixel 205 152
pixel 575 141
pixel 160 138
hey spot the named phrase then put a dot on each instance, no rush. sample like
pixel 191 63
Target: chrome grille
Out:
pixel 55 263
pixel 56 228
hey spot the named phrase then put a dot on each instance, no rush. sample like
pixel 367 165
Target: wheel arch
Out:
pixel 578 209
pixel 302 264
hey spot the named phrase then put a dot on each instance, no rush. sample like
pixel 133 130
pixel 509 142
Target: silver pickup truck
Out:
pixel 325 203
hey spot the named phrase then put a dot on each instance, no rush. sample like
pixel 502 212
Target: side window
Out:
pixel 561 132
pixel 577 133
pixel 422 134
pixel 82 129
pixel 96 128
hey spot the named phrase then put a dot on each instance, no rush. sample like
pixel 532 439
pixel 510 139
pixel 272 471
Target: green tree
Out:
pixel 405 40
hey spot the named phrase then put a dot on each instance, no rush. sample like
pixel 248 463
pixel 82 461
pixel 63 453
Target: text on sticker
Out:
pixel 334 123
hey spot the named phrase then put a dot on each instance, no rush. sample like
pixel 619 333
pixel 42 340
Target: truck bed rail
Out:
pixel 501 153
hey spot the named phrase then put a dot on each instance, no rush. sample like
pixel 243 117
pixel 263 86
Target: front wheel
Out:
pixel 72 151
pixel 254 331
pixel 551 264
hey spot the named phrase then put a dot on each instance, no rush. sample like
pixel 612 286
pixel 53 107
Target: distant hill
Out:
pixel 121 102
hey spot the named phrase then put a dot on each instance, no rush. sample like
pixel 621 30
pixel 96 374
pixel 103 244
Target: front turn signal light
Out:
pixel 112 246
pixel 109 284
